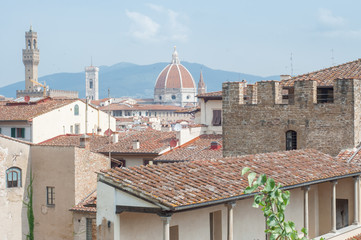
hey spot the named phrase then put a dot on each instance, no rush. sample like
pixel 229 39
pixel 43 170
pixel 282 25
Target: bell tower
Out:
pixel 31 59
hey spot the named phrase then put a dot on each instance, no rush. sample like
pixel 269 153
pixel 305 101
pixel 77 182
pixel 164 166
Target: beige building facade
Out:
pixel 15 177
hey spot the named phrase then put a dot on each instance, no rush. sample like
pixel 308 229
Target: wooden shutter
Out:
pixel 13 132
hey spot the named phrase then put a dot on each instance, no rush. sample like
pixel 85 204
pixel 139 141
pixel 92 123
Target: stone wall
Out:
pixel 86 165
pixel 260 124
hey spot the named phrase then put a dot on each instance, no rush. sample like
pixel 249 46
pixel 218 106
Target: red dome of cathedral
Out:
pixel 175 75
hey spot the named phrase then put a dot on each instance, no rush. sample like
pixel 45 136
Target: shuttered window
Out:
pixel 217 118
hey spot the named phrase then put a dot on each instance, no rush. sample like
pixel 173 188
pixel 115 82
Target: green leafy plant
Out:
pixel 273 201
pixel 29 206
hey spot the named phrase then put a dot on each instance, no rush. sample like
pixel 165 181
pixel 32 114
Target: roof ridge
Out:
pixel 324 69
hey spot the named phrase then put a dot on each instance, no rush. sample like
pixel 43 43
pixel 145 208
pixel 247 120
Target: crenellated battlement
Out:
pixel 303 93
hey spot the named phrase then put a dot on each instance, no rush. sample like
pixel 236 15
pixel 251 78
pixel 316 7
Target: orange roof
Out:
pixel 96 141
pixel 22 111
pixel 197 149
pixel 150 142
pixel 217 94
pixel 88 204
pixel 140 107
pixel 325 77
pixel 194 182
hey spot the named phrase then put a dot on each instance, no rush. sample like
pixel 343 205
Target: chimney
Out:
pixel 115 137
pixel 215 145
pixel 136 144
pixel 84 141
pixel 285 77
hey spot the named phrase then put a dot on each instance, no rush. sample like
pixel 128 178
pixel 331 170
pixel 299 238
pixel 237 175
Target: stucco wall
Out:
pixel 58 121
pixel 206 115
pixel 54 167
pixel 13 218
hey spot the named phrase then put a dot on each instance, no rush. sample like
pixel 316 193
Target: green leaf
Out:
pixel 245 170
pixel 251 177
pixel 262 179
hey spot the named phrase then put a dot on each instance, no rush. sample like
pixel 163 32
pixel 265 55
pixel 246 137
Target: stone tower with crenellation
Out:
pixel 31 59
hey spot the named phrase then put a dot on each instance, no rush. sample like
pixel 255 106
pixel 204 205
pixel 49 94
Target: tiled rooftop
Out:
pixel 351 155
pixel 194 182
pixel 150 141
pixel 325 77
pixel 17 111
pixel 140 107
pixel 96 141
pixel 197 149
pixel 88 204
pixel 217 94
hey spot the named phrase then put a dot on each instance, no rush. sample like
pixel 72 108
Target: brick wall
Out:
pixel 253 128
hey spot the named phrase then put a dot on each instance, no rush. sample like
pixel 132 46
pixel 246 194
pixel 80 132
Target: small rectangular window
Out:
pixel 147 161
pixel 325 95
pixel 50 196
pixel 71 129
pixel 77 128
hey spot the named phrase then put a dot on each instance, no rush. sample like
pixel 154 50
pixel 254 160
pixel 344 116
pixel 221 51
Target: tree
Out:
pixel 273 201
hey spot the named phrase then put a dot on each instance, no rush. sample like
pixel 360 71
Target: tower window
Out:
pixel 173 97
pixel 291 140
pixel 160 97
pixel 34 44
pixel 29 44
pixel 91 84
pixel 188 97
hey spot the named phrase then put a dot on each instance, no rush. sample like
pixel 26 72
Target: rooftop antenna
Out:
pixel 291 59
pixel 332 58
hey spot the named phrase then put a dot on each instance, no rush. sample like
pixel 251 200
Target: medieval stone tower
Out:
pixel 31 59
pixel 91 82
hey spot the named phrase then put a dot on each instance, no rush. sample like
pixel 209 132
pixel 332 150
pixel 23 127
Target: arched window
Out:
pixel 76 110
pixel 34 44
pixel 29 44
pixel 13 177
pixel 291 140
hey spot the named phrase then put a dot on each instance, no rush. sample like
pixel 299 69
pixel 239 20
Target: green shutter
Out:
pixel 13 132
pixel 23 132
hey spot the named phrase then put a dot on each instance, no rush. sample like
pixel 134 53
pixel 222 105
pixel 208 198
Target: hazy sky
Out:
pixel 254 37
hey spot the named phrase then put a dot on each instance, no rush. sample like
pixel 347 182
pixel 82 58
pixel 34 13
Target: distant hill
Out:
pixel 127 79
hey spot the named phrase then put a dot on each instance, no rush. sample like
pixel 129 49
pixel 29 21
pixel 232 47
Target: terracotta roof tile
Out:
pixel 194 182
pixel 197 149
pixel 325 77
pixel 18 111
pixel 150 141
pixel 88 204
pixel 96 141
pixel 217 94
pixel 138 107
